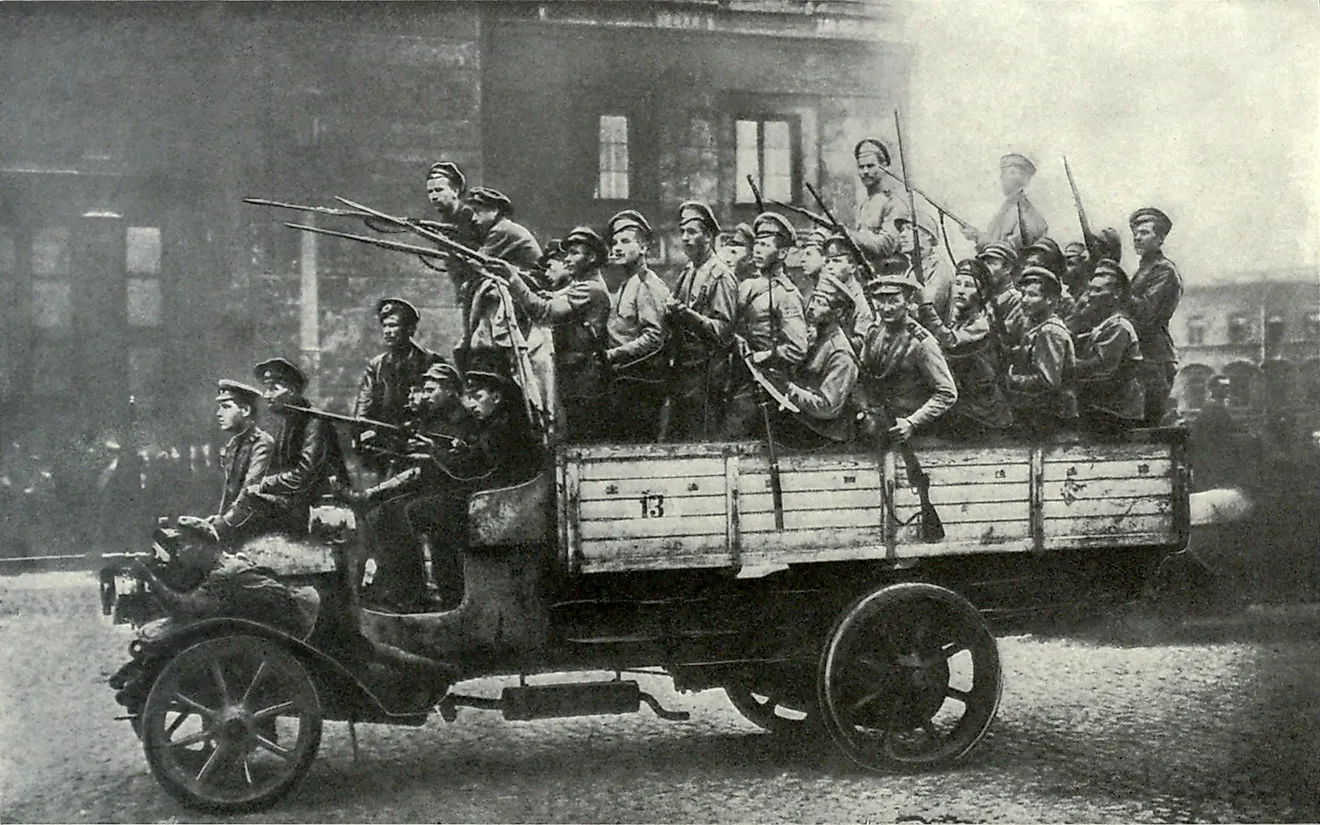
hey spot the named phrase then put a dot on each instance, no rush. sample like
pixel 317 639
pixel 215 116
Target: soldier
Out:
pixel 701 312
pixel 637 330
pixel 445 188
pixel 577 312
pixel 1109 391
pixel 390 377
pixel 1040 373
pixel 501 236
pixel 935 278
pixel 967 340
pixel 1046 252
pixel 1017 221
pixel 306 456
pixel 826 379
pixel 904 376
pixel 875 230
pixel 770 317
pixel 246 456
pixel 735 249
pixel 1155 291
pixel 844 264
pixel 1000 261
pixel 811 260
pixel 1078 267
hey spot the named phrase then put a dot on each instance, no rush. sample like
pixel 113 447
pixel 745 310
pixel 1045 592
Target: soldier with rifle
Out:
pixel 390 378
pixel 445 188
pixel 770 317
pixel 971 347
pixel 811 259
pixel 1002 295
pixel 501 236
pixel 577 313
pixel 1109 391
pixel 637 329
pixel 934 276
pixel 1041 371
pixel 701 314
pixel 823 386
pixel 1017 222
pixel 734 248
pixel 845 264
pixel 875 229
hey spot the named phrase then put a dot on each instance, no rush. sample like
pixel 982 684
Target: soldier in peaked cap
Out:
pixel 390 377
pixel 1018 221
pixel 968 343
pixel 824 383
pixel 577 313
pixel 935 277
pixel 903 371
pixel 1001 263
pixel 245 457
pixel 1109 391
pixel 874 229
pixel 501 236
pixel 1041 368
pixel 1047 253
pixel 770 317
pixel 701 313
pixel 637 329
pixel 845 263
pixel 735 249
pixel 810 258
pixel 1156 289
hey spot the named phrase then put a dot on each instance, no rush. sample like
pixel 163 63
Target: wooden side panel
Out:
pixel 1108 496
pixel 982 497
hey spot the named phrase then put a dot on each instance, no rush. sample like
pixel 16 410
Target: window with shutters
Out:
pixel 613 170
pixel 768 150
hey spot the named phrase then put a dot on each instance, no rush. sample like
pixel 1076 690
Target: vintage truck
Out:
pixel 828 604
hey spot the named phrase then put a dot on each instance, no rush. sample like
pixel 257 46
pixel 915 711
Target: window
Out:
pixel 1196 331
pixel 1237 329
pixel 612 169
pixel 767 151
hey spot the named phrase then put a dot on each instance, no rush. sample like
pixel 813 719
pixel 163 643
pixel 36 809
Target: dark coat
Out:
pixel 307 454
pixel 245 459
pixel 383 392
pixel 1156 290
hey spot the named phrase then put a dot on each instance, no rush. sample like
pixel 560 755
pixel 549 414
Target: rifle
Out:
pixel 756 193
pixel 372 424
pixel 939 207
pixel 841 230
pixel 765 392
pixel 1087 237
pixel 402 224
pixel 819 220
pixel 932 527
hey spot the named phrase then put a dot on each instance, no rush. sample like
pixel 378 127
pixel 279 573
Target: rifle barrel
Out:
pixel 939 206
pixel 396 246
pixel 298 207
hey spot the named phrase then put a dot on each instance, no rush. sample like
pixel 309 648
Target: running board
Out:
pixel 527 702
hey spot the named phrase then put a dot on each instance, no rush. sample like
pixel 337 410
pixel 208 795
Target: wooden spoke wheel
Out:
pixel 231 724
pixel 768 710
pixel 909 678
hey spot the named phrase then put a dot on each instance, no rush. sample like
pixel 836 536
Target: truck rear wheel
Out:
pixel 909 678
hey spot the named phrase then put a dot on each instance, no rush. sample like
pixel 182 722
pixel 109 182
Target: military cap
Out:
pixel 773 224
pixel 552 250
pixel 815 239
pixel 1046 251
pixel 280 369
pixel 832 290
pixel 589 238
pixel 386 307
pixel 450 171
pixel 1105 266
pixel 697 211
pixel 740 235
pixel 871 146
pixel 887 283
pixel 999 249
pixel 237 391
pixel 838 244
pixel 1021 161
pixel 443 371
pixel 1150 213
pixel 482 196
pixel 925 222
pixel 629 219
pixel 487 366
pixel 974 267
pixel 1043 275
pixel 1075 245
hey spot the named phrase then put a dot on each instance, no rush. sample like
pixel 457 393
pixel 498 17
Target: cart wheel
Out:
pixel 909 678
pixel 231 724
pixel 767 710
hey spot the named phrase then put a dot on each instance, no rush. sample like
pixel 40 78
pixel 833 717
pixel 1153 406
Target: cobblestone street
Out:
pixel 1087 731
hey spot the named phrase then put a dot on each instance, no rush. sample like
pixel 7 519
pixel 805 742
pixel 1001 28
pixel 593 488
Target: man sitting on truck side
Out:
pixel 1040 372
pixel 1109 390
pixel 903 371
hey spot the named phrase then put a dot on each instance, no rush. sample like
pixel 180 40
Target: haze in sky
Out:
pixel 1208 109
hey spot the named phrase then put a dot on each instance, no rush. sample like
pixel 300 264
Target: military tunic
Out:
pixel 1040 377
pixel 1153 298
pixel 244 458
pixel 824 386
pixel 1005 224
pixel 771 318
pixel 969 349
pixel 1108 363
pixel 637 331
pixel 702 339
pixel 383 393
pixel 874 231
pixel 578 313
pixel 903 369
pixel 857 319
pixel 511 241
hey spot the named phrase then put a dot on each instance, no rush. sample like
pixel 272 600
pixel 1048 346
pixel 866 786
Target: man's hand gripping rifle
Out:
pixel 767 392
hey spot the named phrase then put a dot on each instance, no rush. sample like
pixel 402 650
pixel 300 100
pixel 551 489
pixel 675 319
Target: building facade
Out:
pixel 1261 330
